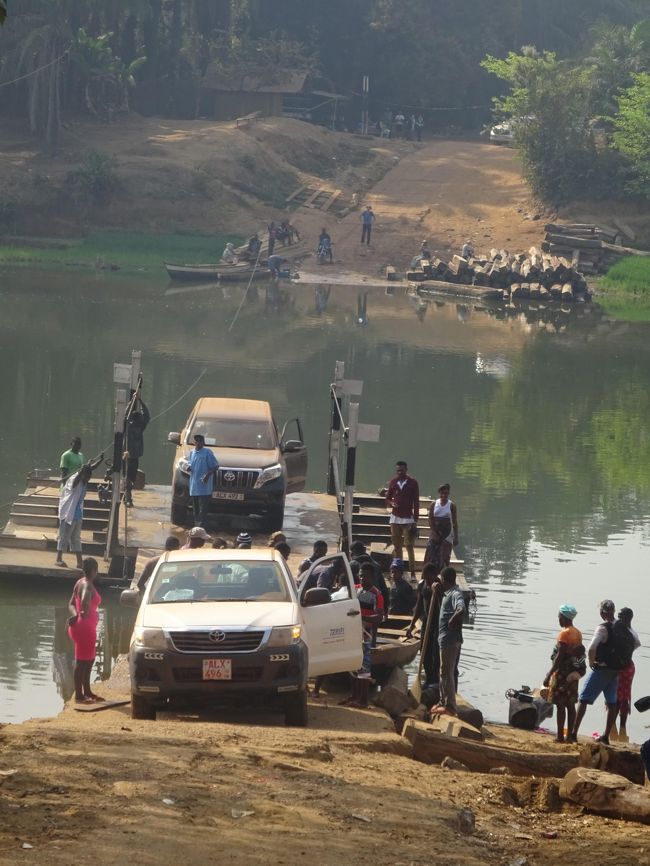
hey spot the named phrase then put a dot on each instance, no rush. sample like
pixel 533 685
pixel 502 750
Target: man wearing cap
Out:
pixel 601 679
pixel 402 594
pixel 196 538
pixel 203 471
pixel 403 500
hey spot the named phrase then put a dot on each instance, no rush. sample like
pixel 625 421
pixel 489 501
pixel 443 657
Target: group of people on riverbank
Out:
pixel 611 671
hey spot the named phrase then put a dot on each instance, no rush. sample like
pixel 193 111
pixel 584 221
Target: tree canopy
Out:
pixel 66 57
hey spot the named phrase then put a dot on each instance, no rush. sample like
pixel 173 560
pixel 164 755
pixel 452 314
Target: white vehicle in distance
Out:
pixel 223 625
pixel 504 132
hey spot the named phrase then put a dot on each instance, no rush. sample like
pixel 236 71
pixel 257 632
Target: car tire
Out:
pixel 296 714
pixel 179 514
pixel 274 520
pixel 141 708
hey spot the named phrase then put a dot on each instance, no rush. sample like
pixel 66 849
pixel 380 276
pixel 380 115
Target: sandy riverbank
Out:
pixel 102 789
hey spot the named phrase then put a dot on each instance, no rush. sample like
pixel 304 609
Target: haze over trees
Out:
pixel 578 72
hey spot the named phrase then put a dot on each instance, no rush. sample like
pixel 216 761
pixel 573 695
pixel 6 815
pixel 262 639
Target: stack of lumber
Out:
pixel 534 274
pixel 592 248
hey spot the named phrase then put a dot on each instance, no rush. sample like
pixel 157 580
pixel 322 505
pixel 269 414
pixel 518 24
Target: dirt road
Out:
pixel 446 192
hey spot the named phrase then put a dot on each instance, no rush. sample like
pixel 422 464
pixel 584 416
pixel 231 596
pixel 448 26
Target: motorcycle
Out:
pixel 324 253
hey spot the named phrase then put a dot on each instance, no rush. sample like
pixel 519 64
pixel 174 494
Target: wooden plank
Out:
pixel 431 748
pixel 331 200
pixel 312 198
pixel 295 194
pixel 98 707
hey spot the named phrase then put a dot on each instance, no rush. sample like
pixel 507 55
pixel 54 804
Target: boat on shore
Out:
pixel 220 272
pixel 391 653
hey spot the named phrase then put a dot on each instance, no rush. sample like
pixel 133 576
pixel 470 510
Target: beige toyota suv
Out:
pixel 258 465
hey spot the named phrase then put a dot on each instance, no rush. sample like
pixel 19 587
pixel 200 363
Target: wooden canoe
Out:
pixel 391 653
pixel 218 272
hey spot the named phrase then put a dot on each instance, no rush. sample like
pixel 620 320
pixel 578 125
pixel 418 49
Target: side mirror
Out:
pixel 130 598
pixel 316 596
pixel 292 446
pixel 174 438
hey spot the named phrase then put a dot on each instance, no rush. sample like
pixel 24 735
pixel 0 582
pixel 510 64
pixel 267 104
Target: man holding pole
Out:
pixel 403 500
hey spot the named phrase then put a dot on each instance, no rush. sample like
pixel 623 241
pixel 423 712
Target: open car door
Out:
pixel 294 452
pixel 333 631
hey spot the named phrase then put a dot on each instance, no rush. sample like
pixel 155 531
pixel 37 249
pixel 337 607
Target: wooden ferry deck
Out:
pixel 28 541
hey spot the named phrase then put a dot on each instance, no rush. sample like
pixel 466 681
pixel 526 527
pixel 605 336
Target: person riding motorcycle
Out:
pixel 324 246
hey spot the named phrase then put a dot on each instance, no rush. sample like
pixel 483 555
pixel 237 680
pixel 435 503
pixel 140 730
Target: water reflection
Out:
pixel 36 654
pixel 538 415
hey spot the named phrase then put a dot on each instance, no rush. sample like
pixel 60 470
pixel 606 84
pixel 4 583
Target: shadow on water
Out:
pixel 538 416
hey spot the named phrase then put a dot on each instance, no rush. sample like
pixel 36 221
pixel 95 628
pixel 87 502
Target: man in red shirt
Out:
pixel 403 500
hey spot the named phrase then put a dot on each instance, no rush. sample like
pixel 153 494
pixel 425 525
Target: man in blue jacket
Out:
pixel 203 471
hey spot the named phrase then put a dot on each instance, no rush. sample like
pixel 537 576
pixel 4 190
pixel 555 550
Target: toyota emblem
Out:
pixel 229 476
pixel 217 636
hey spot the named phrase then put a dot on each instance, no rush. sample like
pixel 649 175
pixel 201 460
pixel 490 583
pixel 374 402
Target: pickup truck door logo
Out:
pixel 217 636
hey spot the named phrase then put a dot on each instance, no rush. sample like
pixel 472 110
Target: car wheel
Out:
pixel 275 518
pixel 142 709
pixel 179 514
pixel 295 710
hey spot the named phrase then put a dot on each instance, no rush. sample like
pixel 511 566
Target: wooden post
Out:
pixel 118 442
pixel 335 427
pixel 350 466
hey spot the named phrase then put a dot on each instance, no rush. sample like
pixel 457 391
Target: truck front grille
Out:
pixel 232 479
pixel 202 642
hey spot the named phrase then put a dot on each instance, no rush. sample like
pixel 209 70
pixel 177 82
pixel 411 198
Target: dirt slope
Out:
pixel 181 175
pixel 90 789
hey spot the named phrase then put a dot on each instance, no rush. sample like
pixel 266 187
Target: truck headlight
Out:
pixel 268 474
pixel 285 635
pixel 183 466
pixel 150 638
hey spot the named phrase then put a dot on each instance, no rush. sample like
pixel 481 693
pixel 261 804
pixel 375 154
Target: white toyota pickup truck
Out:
pixel 214 625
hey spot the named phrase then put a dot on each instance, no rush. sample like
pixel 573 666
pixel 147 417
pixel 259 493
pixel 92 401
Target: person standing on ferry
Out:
pixel 443 522
pixel 403 503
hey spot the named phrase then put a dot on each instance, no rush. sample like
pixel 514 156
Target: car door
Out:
pixel 333 631
pixel 294 453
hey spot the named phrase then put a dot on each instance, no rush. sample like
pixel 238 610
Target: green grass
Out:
pixel 130 251
pixel 624 291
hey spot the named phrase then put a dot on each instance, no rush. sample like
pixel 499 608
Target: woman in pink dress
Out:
pixel 82 628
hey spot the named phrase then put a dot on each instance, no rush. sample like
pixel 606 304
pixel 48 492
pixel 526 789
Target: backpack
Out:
pixel 616 653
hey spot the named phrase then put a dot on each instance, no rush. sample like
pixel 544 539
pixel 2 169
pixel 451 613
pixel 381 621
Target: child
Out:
pixel 371 602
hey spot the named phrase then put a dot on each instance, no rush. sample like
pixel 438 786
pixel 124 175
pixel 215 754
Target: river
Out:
pixel 539 419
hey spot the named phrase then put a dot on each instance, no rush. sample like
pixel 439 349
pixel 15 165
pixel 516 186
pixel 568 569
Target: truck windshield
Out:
pixel 234 433
pixel 225 580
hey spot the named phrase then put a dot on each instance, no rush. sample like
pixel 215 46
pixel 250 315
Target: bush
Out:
pixel 96 178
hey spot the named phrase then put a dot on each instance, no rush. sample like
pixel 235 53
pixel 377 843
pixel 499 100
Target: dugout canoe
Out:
pixel 218 272
pixel 391 653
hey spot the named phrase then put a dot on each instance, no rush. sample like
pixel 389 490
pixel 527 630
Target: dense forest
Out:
pixel 574 76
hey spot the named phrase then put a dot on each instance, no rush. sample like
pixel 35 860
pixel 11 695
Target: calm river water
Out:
pixel 540 420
